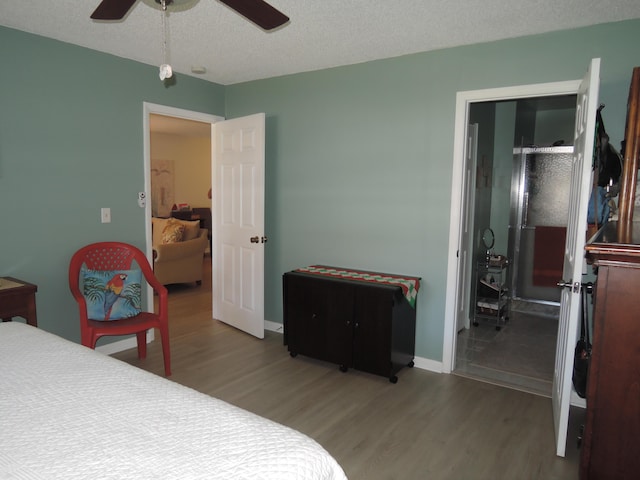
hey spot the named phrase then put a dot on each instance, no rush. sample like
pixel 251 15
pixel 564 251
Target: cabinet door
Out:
pixel 372 329
pixel 319 316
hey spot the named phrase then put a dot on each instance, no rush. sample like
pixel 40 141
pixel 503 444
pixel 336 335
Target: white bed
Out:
pixel 68 412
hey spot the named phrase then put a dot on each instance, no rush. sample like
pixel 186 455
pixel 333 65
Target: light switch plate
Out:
pixel 105 215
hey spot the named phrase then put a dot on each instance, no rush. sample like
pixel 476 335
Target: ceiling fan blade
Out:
pixel 259 12
pixel 112 9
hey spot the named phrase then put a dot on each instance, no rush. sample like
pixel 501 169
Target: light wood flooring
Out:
pixel 427 426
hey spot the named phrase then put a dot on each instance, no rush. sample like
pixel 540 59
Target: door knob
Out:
pixel 255 239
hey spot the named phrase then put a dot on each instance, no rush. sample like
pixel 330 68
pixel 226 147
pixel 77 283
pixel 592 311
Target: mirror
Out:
pixel 488 238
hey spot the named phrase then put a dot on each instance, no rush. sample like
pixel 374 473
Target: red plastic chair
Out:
pixel 109 256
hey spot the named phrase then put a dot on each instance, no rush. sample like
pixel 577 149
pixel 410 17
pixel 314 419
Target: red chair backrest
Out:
pixel 108 256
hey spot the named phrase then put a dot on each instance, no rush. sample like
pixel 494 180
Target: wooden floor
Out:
pixel 427 426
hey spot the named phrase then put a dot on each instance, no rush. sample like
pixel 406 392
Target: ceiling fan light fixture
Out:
pixel 256 11
pixel 174 5
pixel 165 71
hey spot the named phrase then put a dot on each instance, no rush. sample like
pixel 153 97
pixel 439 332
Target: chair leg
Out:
pixel 142 344
pixel 89 340
pixel 164 335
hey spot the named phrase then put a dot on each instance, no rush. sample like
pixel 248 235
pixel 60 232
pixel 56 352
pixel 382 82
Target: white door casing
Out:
pixel 587 105
pixel 238 222
pixel 459 197
pixel 147 110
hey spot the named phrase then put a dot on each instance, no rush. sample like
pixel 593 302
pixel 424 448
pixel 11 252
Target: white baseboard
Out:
pixel 428 364
pixel 273 326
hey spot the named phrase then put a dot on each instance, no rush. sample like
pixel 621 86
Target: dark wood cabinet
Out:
pixel 354 324
pixel 611 439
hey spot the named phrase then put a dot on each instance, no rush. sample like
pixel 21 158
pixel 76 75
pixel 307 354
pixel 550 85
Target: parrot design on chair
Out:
pixel 113 289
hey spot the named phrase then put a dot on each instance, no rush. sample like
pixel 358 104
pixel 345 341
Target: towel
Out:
pixel 548 255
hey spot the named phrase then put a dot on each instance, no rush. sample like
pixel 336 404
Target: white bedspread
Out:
pixel 68 412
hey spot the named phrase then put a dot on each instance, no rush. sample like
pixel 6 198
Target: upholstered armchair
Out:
pixel 178 250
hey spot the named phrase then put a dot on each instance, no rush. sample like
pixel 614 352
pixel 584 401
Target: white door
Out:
pixel 574 250
pixel 465 282
pixel 238 222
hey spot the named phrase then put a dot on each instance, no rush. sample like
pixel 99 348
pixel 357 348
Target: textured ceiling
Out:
pixel 321 33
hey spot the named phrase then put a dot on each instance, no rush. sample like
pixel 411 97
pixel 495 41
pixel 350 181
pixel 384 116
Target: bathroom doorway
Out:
pixel 521 193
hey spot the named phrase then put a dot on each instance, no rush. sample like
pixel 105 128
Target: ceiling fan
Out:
pixel 257 11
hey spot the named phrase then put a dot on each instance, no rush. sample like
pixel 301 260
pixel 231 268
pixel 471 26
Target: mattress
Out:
pixel 68 412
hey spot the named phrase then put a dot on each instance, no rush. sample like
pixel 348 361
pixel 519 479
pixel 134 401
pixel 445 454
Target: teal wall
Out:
pixel 71 142
pixel 359 158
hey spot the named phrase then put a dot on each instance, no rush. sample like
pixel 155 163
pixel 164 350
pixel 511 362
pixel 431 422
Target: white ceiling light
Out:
pixel 175 5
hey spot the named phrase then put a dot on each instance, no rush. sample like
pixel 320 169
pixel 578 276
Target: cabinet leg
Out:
pixel 393 379
pixel 410 364
pixel 343 368
pixel 293 354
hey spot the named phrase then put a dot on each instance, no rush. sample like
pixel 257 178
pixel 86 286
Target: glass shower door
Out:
pixel 539 199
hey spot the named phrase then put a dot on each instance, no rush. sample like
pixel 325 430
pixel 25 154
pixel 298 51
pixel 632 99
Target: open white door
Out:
pixel 238 206
pixel 464 284
pixel 574 250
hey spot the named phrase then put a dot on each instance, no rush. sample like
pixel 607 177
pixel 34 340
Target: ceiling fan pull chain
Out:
pixel 165 69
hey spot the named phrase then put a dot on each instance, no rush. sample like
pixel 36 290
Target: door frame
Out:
pixel 455 269
pixel 147 110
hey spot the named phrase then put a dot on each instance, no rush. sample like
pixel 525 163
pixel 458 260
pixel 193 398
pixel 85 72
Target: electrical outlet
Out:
pixel 105 215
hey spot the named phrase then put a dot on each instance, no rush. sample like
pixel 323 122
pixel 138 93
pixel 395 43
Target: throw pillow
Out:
pixel 172 232
pixel 191 229
pixel 157 225
pixel 112 294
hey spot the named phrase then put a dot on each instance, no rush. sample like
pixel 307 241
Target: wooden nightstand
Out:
pixel 18 299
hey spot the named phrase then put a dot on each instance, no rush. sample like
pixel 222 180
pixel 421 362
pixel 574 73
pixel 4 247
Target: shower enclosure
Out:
pixel 538 216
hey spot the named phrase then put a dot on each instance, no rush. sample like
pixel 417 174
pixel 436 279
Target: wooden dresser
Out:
pixel 611 440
